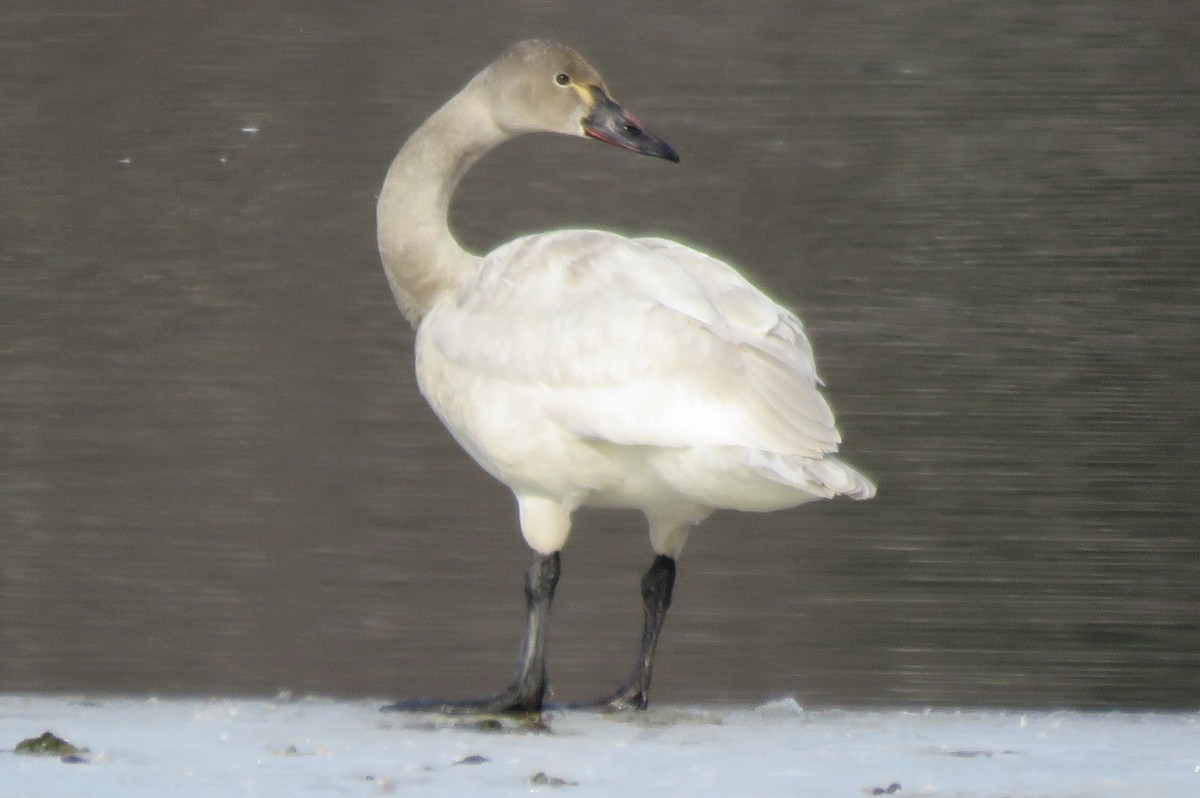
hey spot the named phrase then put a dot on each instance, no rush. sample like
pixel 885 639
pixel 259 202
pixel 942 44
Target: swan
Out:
pixel 584 368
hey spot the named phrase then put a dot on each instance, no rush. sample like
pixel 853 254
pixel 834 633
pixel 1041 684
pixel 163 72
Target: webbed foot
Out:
pixel 510 702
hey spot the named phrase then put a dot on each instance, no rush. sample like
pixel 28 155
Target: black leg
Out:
pixel 529 682
pixel 656 598
pixel 528 686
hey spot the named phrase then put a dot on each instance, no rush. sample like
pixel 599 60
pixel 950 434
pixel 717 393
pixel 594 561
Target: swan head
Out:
pixel 541 86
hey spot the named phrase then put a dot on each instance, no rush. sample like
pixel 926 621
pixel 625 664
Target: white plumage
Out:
pixel 593 369
pixel 580 367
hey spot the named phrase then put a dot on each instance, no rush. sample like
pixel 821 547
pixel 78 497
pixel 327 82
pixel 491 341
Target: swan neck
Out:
pixel 421 257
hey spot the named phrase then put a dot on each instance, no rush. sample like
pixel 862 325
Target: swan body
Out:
pixel 584 368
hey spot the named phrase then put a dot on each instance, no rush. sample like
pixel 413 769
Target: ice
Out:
pixel 323 747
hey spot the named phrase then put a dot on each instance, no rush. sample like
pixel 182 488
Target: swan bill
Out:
pixel 612 124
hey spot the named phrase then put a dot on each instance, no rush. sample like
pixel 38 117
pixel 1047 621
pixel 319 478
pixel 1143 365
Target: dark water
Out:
pixel 216 473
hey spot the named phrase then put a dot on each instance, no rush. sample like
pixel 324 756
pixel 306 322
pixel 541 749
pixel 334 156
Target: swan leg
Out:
pixel 657 585
pixel 528 687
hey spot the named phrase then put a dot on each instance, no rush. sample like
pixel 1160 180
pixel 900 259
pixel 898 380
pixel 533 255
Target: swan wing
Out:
pixel 637 342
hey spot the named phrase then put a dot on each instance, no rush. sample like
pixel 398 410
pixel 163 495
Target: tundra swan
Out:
pixel 580 367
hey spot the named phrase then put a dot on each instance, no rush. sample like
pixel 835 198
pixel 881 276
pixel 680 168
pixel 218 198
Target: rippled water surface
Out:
pixel 216 473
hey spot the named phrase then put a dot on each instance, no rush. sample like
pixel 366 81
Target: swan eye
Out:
pixel 562 78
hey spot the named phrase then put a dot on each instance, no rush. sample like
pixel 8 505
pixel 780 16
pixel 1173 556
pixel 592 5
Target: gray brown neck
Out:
pixel 420 255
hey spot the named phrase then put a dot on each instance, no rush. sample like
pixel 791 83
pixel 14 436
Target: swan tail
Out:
pixel 825 477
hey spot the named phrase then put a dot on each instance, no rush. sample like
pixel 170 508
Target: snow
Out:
pixel 323 747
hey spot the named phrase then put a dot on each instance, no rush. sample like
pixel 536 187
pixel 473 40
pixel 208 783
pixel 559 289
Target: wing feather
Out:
pixel 638 342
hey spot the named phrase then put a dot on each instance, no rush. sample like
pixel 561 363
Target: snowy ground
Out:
pixel 232 747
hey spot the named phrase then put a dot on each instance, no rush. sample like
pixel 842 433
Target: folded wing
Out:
pixel 639 342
